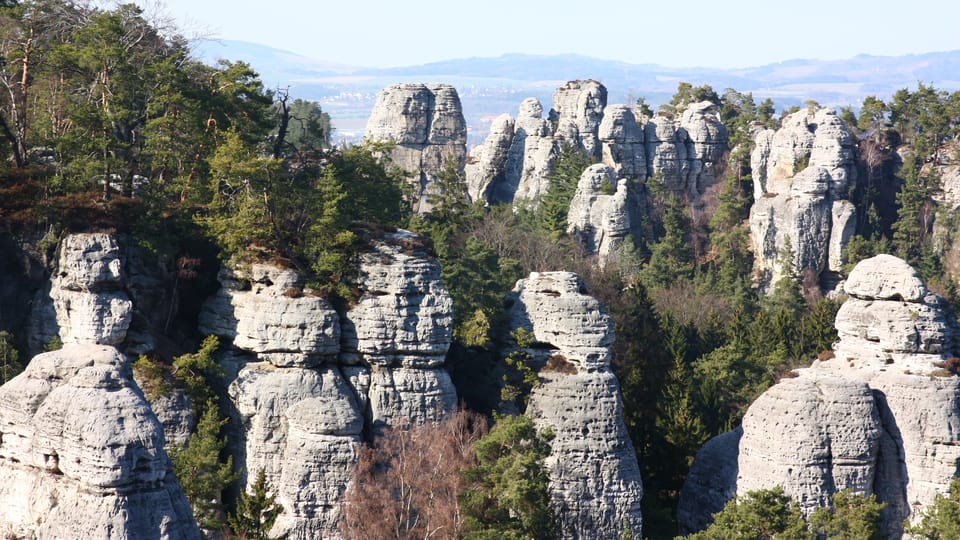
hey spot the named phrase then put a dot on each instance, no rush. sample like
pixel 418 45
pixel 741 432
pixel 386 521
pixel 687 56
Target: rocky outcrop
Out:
pixel 487 163
pixel 577 112
pixel 594 476
pixel 880 417
pixel 81 452
pixel 802 173
pixel 599 214
pixel 425 121
pixel 621 140
pixel 265 310
pixel 311 383
pixel 686 155
pixel 86 302
pixel 516 160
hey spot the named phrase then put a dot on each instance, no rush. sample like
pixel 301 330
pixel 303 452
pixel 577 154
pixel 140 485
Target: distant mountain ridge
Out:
pixel 490 86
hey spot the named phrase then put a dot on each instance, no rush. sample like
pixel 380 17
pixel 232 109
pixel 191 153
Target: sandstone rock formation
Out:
pixel 577 112
pixel 686 155
pixel 516 160
pixel 801 176
pixel 599 215
pixel 426 123
pixel 621 139
pixel 880 417
pixel 311 383
pixel 81 452
pixel 594 476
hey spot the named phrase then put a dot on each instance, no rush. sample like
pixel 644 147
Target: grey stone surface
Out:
pixel 880 417
pixel 265 310
pixel 802 173
pixel 577 111
pixel 81 453
pixel 594 476
pixel 426 123
pixel 599 216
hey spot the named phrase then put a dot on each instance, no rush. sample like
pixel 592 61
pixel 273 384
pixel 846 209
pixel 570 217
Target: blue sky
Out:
pixel 732 33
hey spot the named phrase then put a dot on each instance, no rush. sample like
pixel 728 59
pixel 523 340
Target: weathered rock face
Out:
pixel 594 476
pixel 487 163
pixel 311 382
pixel 265 310
pixel 621 141
pixel 577 111
pixel 599 216
pixel 801 176
pixel 686 155
pixel 89 303
pixel 426 123
pixel 881 417
pixel 81 453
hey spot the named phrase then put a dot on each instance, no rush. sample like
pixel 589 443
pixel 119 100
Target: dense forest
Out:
pixel 108 123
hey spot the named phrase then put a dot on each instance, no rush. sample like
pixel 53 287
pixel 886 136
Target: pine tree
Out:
pixel 202 474
pixel 508 496
pixel 850 516
pixel 941 520
pixel 758 515
pixel 10 364
pixel 555 204
pixel 257 511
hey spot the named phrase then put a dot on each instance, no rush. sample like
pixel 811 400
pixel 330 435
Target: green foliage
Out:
pixel 850 516
pixel 941 520
pixel 256 512
pixel 150 376
pixel 687 94
pixel 198 372
pixel 553 208
pixel 520 377
pixel 758 515
pixel 508 497
pixel 10 364
pixel 670 257
pixel 202 474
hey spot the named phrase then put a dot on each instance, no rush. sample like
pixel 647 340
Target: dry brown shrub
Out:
pixel 826 355
pixel 559 364
pixel 405 485
pixel 951 364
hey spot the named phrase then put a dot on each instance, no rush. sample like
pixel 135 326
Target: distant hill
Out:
pixel 492 86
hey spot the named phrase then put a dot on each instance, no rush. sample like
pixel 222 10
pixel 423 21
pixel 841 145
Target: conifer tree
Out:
pixel 257 511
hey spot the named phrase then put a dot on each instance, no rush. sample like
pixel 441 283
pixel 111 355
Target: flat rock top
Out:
pixel 885 277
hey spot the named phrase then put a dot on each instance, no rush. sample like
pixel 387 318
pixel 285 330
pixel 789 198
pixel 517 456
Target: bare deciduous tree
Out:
pixel 406 484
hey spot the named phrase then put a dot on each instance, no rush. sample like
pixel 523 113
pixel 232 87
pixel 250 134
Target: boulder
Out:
pixel 487 163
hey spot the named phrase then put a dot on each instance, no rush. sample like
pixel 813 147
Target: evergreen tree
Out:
pixel 508 497
pixel 198 372
pixel 256 512
pixel 850 516
pixel 941 520
pixel 758 515
pixel 555 204
pixel 10 364
pixel 202 474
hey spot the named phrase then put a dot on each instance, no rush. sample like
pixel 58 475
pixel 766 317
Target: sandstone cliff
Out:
pixel 594 476
pixel 880 417
pixel 81 452
pixel 425 123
